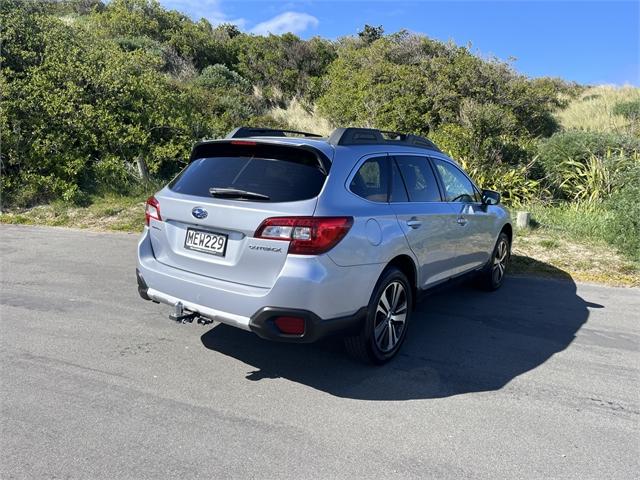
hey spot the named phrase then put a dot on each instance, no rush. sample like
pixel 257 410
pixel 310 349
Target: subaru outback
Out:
pixel 295 237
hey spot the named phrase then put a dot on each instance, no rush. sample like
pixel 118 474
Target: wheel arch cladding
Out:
pixel 406 265
pixel 508 229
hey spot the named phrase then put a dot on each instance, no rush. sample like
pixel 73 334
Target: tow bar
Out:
pixel 181 315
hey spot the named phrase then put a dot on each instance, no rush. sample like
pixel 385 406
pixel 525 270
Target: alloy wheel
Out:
pixel 500 261
pixel 391 315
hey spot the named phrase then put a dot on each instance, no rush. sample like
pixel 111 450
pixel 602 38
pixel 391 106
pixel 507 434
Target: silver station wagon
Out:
pixel 295 237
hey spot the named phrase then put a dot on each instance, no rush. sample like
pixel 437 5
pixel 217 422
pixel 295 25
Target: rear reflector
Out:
pixel 307 235
pixel 152 210
pixel 290 325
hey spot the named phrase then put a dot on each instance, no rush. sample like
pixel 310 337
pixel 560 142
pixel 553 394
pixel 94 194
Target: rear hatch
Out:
pixel 210 212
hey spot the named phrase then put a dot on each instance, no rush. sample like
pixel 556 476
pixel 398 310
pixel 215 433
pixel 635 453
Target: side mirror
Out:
pixel 490 197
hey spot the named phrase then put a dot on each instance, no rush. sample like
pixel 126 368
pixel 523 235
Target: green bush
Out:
pixel 596 178
pixel 410 83
pixel 623 226
pixel 220 76
pixel 615 221
pixel 79 109
pixel 91 88
pixel 567 152
pixel 282 65
pixel 515 184
pixel 629 110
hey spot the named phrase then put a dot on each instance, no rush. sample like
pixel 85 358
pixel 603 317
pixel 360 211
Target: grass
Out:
pixel 564 242
pixel 552 253
pixel 105 213
pixel 549 243
pixel 301 118
pixel 582 222
pixel 593 110
pixel 590 223
pixel 570 238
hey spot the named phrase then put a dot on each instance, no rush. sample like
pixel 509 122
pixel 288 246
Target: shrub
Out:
pixel 615 221
pixel 220 76
pixel 596 178
pixel 283 63
pixel 490 149
pixel 623 226
pixel 629 110
pixel 111 174
pixel 78 108
pixel 564 152
pixel 514 183
pixel 410 83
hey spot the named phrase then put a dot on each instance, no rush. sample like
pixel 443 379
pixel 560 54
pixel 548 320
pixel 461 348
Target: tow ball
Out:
pixel 182 315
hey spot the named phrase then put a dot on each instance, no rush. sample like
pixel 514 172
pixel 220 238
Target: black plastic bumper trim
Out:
pixel 142 286
pixel 262 324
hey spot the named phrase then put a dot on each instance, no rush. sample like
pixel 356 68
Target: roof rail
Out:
pixel 246 132
pixel 372 136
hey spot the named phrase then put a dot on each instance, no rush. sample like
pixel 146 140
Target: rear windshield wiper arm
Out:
pixel 236 193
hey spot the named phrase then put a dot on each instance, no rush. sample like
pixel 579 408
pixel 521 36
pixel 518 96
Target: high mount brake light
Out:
pixel 307 235
pixel 242 142
pixel 152 210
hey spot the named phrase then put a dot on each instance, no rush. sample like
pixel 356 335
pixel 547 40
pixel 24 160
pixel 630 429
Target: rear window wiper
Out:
pixel 236 193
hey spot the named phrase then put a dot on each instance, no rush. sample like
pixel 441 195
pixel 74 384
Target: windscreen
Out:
pixel 284 179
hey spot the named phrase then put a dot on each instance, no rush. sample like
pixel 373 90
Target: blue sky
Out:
pixel 587 41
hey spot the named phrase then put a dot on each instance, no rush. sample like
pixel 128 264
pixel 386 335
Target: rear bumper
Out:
pixel 262 324
pixel 330 298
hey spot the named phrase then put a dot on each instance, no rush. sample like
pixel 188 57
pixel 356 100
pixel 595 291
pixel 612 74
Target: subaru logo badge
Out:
pixel 199 213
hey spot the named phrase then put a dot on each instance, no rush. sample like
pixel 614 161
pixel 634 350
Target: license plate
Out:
pixel 207 242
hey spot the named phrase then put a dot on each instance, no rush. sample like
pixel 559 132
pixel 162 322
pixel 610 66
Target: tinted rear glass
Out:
pixel 418 179
pixel 282 180
pixel 372 180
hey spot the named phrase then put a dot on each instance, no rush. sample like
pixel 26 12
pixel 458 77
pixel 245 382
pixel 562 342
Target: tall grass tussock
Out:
pixel 595 110
pixel 300 117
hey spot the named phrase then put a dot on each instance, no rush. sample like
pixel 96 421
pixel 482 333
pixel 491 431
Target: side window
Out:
pixel 372 180
pixel 458 187
pixel 398 190
pixel 418 179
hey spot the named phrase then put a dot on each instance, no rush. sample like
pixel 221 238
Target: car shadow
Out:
pixel 460 340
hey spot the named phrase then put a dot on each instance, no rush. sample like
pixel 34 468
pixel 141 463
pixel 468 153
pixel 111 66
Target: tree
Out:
pixel 370 34
pixel 79 111
pixel 91 89
pixel 229 30
pixel 284 63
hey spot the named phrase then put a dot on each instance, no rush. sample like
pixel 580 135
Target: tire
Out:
pixel 384 331
pixel 492 276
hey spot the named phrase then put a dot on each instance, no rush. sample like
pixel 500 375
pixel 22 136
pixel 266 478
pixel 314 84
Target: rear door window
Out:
pixel 372 180
pixel 278 179
pixel 418 177
pixel 398 190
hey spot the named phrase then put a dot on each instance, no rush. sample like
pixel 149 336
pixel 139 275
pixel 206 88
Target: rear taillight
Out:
pixel 307 235
pixel 152 210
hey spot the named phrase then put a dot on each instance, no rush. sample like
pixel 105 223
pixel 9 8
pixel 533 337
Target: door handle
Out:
pixel 414 223
pixel 462 221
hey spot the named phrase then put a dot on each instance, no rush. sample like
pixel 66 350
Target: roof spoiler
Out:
pixel 230 147
pixel 246 132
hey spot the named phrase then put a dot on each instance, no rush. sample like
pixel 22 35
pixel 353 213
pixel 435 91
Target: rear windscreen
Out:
pixel 282 179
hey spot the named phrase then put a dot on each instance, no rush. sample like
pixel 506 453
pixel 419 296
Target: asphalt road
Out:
pixel 538 380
